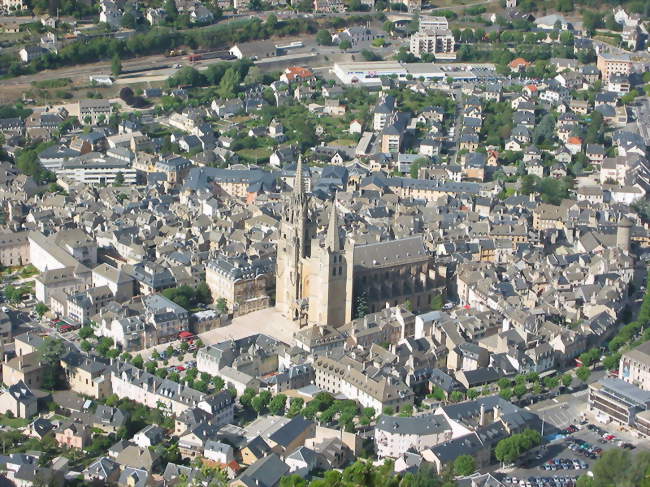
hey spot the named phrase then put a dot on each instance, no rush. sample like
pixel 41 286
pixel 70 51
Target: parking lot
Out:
pixel 560 462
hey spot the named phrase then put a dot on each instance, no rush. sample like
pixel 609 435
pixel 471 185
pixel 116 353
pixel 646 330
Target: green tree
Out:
pixel 437 302
pixel 456 396
pixel 41 309
pixel 86 332
pixel 137 361
pixel 323 38
pixel 85 346
pixel 567 380
pixel 278 404
pixel 51 352
pixel 218 383
pixel 519 390
pixel 260 402
pixel 295 406
pixel 583 373
pixel 344 45
pixel 116 65
pixel 222 305
pixel 464 465
pixel 246 397
pixel 119 179
pixel 229 84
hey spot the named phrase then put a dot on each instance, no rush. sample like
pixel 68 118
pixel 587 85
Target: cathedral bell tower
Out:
pixel 327 300
pixel 293 249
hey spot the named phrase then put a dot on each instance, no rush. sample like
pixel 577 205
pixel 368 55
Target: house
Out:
pixel 266 472
pixel 149 436
pixel 302 461
pixel 574 145
pixel 139 458
pixel 72 434
pixel 29 53
pixel 104 470
pixel 519 65
pixel 296 74
pixel 218 452
pixel 109 419
pixel 18 400
pixel 291 436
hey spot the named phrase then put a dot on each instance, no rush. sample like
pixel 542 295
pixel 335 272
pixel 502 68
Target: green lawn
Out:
pixel 343 142
pixel 13 422
pixel 259 154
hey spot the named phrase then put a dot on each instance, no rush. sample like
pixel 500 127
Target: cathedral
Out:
pixel 325 278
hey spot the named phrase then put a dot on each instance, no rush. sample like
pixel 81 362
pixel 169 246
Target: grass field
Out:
pixel 13 422
pixel 260 154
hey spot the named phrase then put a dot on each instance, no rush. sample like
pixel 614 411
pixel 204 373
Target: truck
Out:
pixel 194 57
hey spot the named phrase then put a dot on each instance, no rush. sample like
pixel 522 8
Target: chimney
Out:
pixel 497 413
pixel 481 420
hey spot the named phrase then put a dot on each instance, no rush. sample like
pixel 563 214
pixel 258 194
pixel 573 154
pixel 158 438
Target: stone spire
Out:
pixel 297 184
pixel 333 239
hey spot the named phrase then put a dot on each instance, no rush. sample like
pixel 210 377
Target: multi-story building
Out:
pixel 96 168
pixel 82 306
pixel 611 64
pixel 395 435
pixel 618 401
pixel 433 37
pixel 14 249
pixel 130 382
pixel 93 112
pixel 635 366
pixel 347 376
pixel 87 376
pixel 246 284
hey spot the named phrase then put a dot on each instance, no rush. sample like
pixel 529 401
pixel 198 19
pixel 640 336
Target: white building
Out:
pixel 395 435
pixel 97 168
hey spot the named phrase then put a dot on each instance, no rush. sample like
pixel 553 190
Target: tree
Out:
pixel 519 390
pixel 583 373
pixel 437 302
pixel 260 402
pixel 323 38
pixel 278 404
pixel 504 383
pixel 456 396
pixel 229 83
pixel 567 380
pixel 253 76
pixel 246 397
pixel 137 361
pixel 464 465
pixel 116 65
pixel 41 309
pixel 85 346
pixel 510 449
pixel 222 305
pixel 13 294
pixel 51 352
pixel 119 179
pixel 388 27
pixel 271 22
pixel 345 44
pixel 86 332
